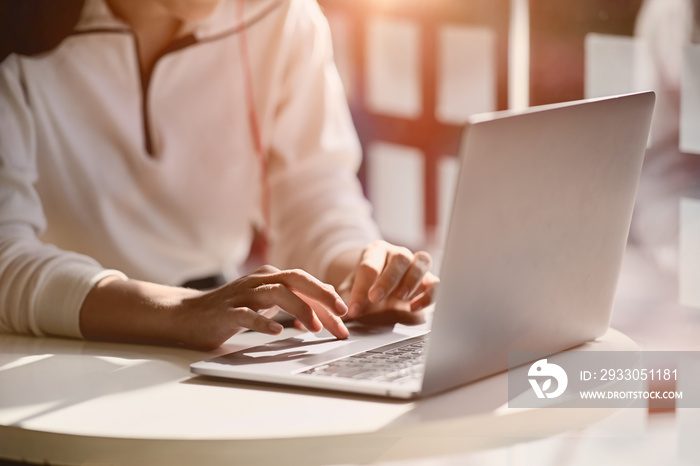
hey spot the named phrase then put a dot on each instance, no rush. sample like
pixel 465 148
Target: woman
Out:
pixel 150 141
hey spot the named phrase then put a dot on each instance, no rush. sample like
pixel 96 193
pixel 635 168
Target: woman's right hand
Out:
pixel 208 319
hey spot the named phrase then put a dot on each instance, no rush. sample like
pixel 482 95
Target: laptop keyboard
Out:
pixel 396 363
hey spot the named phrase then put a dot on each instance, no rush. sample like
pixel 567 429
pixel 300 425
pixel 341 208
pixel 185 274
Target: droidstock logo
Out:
pixel 543 370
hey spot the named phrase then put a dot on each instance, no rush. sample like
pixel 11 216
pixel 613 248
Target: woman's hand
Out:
pixel 211 318
pixel 389 277
pixel 132 310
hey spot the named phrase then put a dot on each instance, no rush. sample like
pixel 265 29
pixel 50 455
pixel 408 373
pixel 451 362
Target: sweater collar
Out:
pixel 96 14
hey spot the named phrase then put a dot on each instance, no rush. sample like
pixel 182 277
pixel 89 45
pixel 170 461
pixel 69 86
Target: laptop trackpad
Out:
pixel 308 349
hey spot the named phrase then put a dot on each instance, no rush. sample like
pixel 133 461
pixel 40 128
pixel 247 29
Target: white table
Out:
pixel 76 402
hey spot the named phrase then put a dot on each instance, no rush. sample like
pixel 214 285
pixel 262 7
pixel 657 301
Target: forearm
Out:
pixel 131 310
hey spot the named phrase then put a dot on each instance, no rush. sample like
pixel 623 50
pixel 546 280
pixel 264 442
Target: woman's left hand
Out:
pixel 389 277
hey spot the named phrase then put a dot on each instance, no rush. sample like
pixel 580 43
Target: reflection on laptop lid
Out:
pixel 538 229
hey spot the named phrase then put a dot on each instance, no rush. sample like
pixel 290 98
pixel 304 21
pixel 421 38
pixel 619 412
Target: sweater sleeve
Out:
pixel 42 288
pixel 318 209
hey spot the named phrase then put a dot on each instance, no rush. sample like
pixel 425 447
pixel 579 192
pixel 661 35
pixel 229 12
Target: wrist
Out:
pixel 131 310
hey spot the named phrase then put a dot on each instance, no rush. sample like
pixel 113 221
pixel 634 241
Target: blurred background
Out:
pixel 414 70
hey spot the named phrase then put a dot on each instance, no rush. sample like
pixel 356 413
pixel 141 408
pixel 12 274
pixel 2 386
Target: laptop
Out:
pixel 532 255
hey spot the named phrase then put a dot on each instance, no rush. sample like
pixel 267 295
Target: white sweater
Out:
pixel 101 175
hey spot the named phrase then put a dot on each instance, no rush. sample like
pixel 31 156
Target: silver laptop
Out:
pixel 537 233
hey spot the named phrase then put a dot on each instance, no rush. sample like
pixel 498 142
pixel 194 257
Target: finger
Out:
pixel 269 313
pixel 426 294
pixel 413 277
pixel 421 301
pixel 309 286
pixel 298 325
pixel 331 322
pixel 264 270
pixel 370 266
pixel 279 295
pixel 399 262
pixel 247 318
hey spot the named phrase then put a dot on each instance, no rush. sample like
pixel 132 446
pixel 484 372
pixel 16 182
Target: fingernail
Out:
pixel 403 293
pixel 275 327
pixel 340 307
